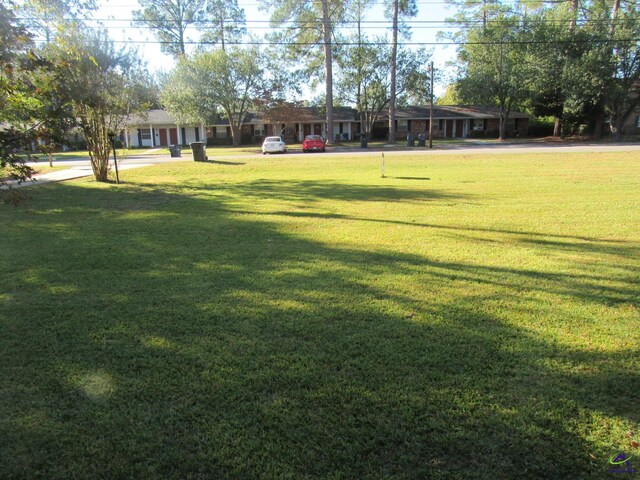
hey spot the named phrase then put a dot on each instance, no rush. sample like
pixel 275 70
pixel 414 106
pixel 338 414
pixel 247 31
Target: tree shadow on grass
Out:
pixel 550 241
pixel 312 191
pixel 159 335
pixel 225 162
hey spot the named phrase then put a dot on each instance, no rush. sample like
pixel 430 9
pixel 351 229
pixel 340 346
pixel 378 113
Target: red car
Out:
pixel 313 143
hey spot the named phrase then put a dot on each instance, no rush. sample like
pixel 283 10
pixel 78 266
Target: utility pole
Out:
pixel 394 66
pixel 431 106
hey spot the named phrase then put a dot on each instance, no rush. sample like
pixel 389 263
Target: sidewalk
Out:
pixel 77 171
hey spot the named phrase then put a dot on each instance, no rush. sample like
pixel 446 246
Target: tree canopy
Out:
pixel 211 82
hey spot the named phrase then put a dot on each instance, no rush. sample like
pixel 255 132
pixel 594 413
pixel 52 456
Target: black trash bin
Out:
pixel 411 140
pixel 364 141
pixel 422 139
pixel 175 150
pixel 199 150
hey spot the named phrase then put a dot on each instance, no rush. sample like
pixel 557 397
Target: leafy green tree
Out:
pixel 225 22
pixel 365 79
pixel 308 31
pixel 169 20
pixel 450 97
pixel 623 93
pixel 227 81
pixel 47 18
pixel 496 67
pixel 14 100
pixel 102 87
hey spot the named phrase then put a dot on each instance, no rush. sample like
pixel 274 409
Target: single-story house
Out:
pixel 291 122
pixel 157 128
pixel 456 121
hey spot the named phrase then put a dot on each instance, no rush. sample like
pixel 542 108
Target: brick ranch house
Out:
pixel 159 129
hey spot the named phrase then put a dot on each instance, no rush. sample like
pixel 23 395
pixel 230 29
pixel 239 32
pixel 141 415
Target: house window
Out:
pixel 478 125
pixel 403 125
pixel 258 131
pixel 145 133
pixel 638 121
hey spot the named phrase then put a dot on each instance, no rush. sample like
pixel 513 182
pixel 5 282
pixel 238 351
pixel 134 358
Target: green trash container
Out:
pixel 411 140
pixel 364 141
pixel 421 140
pixel 199 150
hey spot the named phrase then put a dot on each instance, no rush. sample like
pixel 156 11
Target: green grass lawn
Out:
pixel 302 317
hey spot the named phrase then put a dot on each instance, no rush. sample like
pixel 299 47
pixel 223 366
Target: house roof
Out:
pixel 152 117
pixel 294 114
pixel 453 112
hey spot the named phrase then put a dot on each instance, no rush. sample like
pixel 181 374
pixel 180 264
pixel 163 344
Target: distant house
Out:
pixel 157 128
pixel 291 122
pixel 456 122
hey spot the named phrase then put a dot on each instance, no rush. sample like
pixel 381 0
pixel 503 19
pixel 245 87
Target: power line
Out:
pixel 338 44
pixel 369 24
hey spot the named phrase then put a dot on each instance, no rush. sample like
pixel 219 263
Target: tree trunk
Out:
pixel 95 132
pixel 236 133
pixel 392 92
pixel 222 34
pixel 359 91
pixel 599 125
pixel 557 127
pixel 502 126
pixel 617 126
pixel 614 15
pixel 574 11
pixel 328 67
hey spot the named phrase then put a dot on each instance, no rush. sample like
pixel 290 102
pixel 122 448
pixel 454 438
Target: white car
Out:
pixel 273 145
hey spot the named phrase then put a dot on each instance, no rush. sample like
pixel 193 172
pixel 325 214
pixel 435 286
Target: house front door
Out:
pixel 459 128
pixel 173 136
pixel 163 137
pixel 307 129
pixel 317 129
pixel 450 128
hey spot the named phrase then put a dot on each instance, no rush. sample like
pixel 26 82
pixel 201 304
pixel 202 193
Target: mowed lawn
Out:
pixel 301 317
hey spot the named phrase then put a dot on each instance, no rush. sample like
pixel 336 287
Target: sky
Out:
pixel 116 16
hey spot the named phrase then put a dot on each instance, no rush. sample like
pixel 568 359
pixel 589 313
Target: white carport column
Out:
pixel 203 134
pixel 178 129
pixel 126 137
pixel 153 140
pixel 300 133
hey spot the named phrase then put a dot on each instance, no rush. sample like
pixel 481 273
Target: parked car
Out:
pixel 273 145
pixel 313 143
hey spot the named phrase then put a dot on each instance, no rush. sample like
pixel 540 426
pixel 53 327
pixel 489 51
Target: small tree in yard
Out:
pixel 100 84
pixel 14 102
pixel 227 81
pixel 365 80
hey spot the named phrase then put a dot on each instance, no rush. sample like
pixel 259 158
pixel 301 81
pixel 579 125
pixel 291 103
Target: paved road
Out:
pixel 81 168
